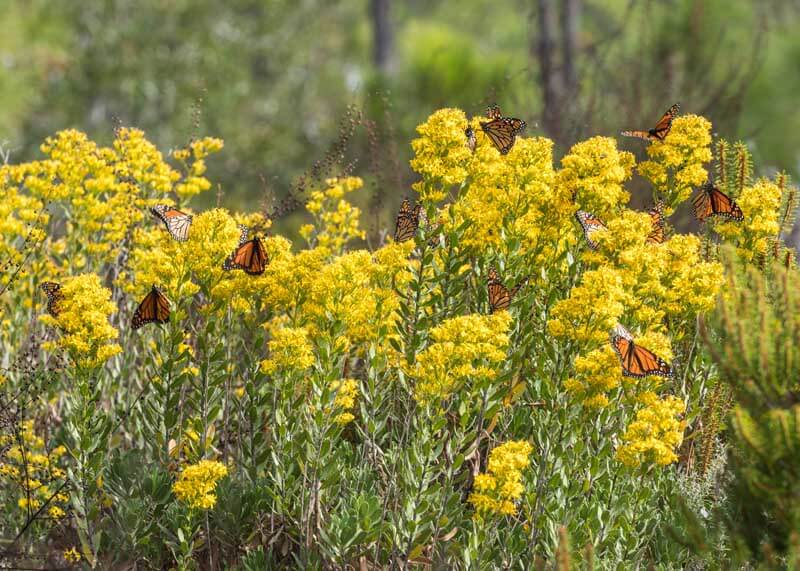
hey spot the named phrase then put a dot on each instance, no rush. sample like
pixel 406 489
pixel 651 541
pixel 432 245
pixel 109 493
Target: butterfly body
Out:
pixel 250 256
pixel 499 295
pixel 637 361
pixel 407 221
pixel 711 201
pixel 176 222
pixel 590 224
pixel 154 308
pixel 662 128
pixel 502 131
pixel 54 295
pixel 657 234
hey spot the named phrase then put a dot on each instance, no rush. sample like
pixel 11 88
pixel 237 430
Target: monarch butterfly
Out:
pixel 657 234
pixel 176 222
pixel 407 222
pixel 499 295
pixel 637 361
pixel 711 201
pixel 590 224
pixel 154 308
pixel 472 140
pixel 661 130
pixel 502 131
pixel 54 295
pixel 249 256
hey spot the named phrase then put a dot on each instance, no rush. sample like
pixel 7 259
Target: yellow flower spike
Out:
pixel 593 172
pixel 465 347
pixel 72 555
pixel 655 433
pixel 495 492
pixel 337 221
pixel 676 164
pixel 84 309
pixel 440 153
pixel 760 204
pixel 290 350
pixel 602 290
pixel 197 483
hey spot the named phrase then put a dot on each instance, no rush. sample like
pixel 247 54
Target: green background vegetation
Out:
pixel 274 78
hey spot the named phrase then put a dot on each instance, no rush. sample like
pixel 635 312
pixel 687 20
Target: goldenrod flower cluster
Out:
pixel 630 280
pixel 507 197
pixel 72 555
pixel 760 204
pixel 82 319
pixel 197 483
pixel 290 351
pixel 676 164
pixel 496 491
pixel 655 433
pixel 464 348
pixel 193 160
pixel 21 219
pixel 346 391
pixel 336 219
pixel 593 172
pixel 440 154
pixel 33 471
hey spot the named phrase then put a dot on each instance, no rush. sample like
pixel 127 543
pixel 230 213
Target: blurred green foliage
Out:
pixel 274 78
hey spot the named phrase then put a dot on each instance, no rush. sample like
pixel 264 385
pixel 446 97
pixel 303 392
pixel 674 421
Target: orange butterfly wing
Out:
pixel 154 308
pixel 590 224
pixel 493 112
pixel 499 295
pixel 637 361
pixel 407 221
pixel 711 201
pixel 502 131
pixel 54 295
pixel 657 234
pixel 176 222
pixel 250 257
pixel 662 128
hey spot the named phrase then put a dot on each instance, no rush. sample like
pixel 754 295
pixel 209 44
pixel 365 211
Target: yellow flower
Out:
pixel 289 349
pixel 465 347
pixel 72 555
pixel 593 172
pixel 676 163
pixel 84 309
pixel 440 153
pixel 512 197
pixel 196 484
pixel 596 373
pixel 592 308
pixel 760 204
pixel 496 491
pixel 32 503
pixel 346 394
pixel 182 269
pixel 336 219
pixel 690 284
pixel 654 435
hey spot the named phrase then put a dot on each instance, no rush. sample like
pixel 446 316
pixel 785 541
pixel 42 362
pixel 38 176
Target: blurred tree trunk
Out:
pixel 383 40
pixel 570 30
pixel 550 79
pixel 556 45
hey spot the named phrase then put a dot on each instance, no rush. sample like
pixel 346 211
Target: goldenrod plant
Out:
pixel 481 395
